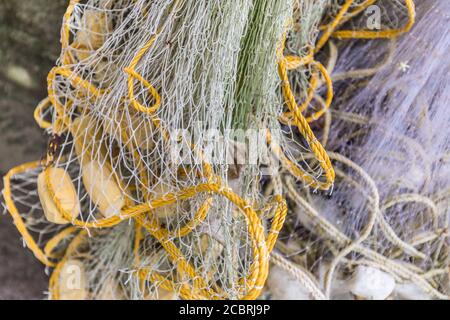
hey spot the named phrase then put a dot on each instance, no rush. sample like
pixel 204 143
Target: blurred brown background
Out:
pixel 29 47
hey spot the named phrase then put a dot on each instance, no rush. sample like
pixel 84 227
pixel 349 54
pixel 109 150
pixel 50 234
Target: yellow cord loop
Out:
pixel 294 115
pixel 18 221
pixel 38 117
pixel 332 26
pixel 360 8
pixel 302 123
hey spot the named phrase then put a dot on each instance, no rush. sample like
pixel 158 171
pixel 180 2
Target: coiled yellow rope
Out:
pixel 289 63
pixel 294 115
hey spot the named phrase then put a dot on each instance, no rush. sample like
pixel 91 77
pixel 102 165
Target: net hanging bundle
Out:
pixel 118 214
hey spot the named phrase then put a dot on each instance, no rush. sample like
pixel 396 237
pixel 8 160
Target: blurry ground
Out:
pixel 29 45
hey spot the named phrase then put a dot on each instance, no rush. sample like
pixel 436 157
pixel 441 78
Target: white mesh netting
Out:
pixel 179 127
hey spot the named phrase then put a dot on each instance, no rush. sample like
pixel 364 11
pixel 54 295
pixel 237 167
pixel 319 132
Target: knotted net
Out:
pixel 178 127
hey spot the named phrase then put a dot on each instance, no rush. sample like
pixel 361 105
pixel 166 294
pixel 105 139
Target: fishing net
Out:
pixel 178 129
pixel 384 225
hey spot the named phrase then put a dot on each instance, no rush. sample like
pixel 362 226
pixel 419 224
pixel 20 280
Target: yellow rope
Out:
pixel 134 75
pixel 54 278
pixel 199 217
pixel 256 277
pixel 332 26
pixel 302 124
pixel 18 221
pixel 383 34
pixel 43 105
pixel 56 240
pixel 360 8
pixel 65 32
pixel 286 118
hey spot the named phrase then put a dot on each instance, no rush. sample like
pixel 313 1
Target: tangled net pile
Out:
pixel 150 188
